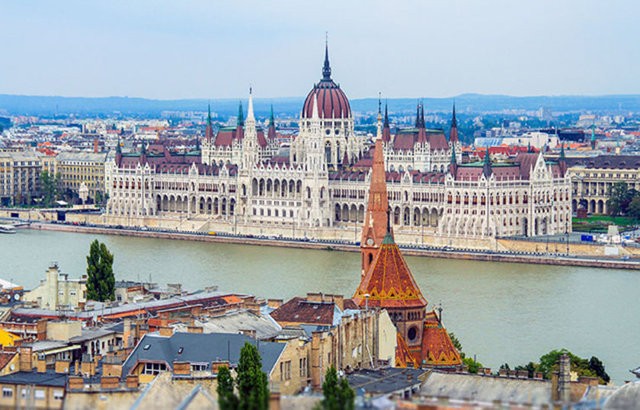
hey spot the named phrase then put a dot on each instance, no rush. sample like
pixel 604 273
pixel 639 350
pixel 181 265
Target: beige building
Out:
pixel 57 291
pixel 593 177
pixel 20 176
pixel 78 168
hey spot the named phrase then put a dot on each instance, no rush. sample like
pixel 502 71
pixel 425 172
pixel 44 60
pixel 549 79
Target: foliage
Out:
pixel 456 343
pixel 50 188
pixel 338 395
pixel 227 400
pixel 620 196
pixel 530 367
pixel 597 366
pixel 253 390
pixel 100 278
pixel 634 207
pixel 472 365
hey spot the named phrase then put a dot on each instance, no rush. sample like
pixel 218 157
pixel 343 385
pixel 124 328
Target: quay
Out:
pixel 343 246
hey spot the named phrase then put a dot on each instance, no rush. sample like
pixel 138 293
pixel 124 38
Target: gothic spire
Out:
pixel 453 134
pixel 240 115
pixel 386 116
pixel 453 155
pixel 250 116
pixel 326 68
pixel 418 115
pixel 272 121
pixel 208 134
pixel 486 167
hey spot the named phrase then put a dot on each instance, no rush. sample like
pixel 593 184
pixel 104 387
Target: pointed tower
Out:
pixel 271 133
pixel 240 124
pixel 118 153
pixel 420 124
pixel 208 134
pixel 486 167
pixel 376 217
pixel 379 122
pixel 250 146
pixel 562 161
pixel 386 129
pixel 593 136
pixel 453 164
pixel 453 134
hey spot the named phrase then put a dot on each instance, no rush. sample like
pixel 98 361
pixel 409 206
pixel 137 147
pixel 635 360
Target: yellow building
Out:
pixel 78 168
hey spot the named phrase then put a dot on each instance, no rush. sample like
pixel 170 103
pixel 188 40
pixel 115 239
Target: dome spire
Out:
pixel 326 68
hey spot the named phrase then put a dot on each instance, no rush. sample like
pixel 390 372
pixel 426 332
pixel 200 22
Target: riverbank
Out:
pixel 488 256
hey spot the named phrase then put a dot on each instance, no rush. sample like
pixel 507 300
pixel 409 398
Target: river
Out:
pixel 501 312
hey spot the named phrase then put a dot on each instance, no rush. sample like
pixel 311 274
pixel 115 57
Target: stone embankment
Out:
pixel 512 257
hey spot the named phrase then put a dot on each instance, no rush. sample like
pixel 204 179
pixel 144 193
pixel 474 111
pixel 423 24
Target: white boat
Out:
pixel 7 229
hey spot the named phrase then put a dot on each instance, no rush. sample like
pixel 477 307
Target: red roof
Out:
pixel 389 282
pixel 332 101
pixel 300 310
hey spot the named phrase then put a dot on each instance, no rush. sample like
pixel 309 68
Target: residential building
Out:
pixel 20 177
pixel 58 291
pixel 82 169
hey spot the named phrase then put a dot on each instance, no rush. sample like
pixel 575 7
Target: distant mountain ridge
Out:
pixel 290 106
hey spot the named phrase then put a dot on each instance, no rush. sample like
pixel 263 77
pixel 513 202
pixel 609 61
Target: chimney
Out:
pixel 75 383
pixel 181 368
pixel 26 359
pixel 126 334
pixel 564 379
pixel 96 148
pixel 166 331
pixel 62 366
pixel 109 382
pixel 215 366
pixel 195 329
pixel 274 401
pixel 274 303
pixel 41 365
pixel 133 382
pixel 339 301
pixel 88 368
pixel 314 297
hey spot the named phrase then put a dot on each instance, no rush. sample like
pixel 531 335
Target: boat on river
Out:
pixel 7 229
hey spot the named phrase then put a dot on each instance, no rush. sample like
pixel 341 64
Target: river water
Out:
pixel 501 312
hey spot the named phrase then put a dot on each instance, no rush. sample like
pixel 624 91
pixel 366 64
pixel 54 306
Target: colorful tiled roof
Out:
pixel 389 282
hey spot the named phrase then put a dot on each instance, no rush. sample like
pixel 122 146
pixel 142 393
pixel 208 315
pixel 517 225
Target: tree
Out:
pixel 50 189
pixel 253 390
pixel 598 368
pixel 472 365
pixel 337 395
pixel 634 207
pixel 619 198
pixel 227 400
pixel 100 278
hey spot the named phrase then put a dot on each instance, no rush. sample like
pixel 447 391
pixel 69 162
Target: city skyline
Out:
pixel 413 49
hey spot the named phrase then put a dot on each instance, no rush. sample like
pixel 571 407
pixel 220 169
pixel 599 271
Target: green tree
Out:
pixel 338 395
pixel 253 390
pixel 634 207
pixel 100 278
pixel 619 198
pixel 549 363
pixel 472 365
pixel 598 368
pixel 227 400
pixel 49 185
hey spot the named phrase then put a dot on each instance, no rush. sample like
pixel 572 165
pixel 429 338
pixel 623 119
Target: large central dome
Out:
pixel 332 101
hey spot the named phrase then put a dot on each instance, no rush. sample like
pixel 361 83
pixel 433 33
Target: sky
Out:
pixel 216 49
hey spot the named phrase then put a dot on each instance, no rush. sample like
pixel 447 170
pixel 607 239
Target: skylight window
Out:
pixel 146 347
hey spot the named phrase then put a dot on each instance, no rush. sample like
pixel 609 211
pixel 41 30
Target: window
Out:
pixel 58 394
pixel 153 368
pixel 39 394
pixel 285 370
pixel 198 367
pixel 303 367
pixel 7 392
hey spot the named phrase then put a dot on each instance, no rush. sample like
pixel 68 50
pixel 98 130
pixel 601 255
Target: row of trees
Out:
pixel 52 191
pixel 546 365
pixel 623 201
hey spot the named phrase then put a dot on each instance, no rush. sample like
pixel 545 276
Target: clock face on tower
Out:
pixel 370 241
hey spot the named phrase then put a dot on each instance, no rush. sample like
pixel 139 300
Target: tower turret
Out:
pixel 453 134
pixel 376 217
pixel 486 167
pixel 386 130
pixel 208 134
pixel 250 144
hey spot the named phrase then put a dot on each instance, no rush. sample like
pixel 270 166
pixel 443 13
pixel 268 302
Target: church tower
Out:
pixel 250 146
pixel 376 216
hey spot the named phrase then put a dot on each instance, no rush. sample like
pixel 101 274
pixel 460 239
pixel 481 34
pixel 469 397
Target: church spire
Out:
pixel 326 68
pixel 453 134
pixel 386 130
pixel 486 167
pixel 379 124
pixel 240 115
pixel 376 217
pixel 271 133
pixel 209 131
